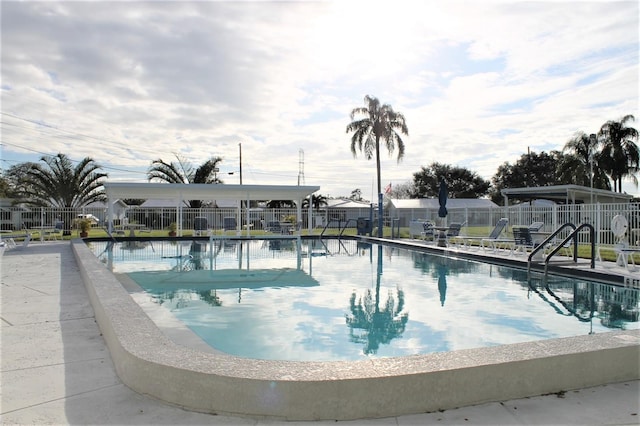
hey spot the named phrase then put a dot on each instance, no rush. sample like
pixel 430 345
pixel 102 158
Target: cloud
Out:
pixel 479 82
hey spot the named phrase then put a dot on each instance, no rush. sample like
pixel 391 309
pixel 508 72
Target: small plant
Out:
pixel 173 228
pixel 290 219
pixel 85 227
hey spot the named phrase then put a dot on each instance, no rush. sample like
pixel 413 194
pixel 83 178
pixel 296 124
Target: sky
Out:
pixel 269 86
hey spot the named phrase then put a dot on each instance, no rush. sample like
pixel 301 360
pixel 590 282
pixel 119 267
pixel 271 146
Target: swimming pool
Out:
pixel 344 300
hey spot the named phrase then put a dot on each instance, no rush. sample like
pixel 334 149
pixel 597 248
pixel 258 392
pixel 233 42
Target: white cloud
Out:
pixel 479 82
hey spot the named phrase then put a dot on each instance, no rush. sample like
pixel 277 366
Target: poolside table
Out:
pixel 442 235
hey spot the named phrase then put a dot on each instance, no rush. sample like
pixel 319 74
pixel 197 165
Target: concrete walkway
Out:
pixel 56 368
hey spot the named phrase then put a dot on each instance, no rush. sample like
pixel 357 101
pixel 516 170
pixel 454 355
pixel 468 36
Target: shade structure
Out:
pixel 182 192
pixel 442 199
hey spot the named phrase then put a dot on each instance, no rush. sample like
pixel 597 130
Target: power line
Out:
pixel 71 159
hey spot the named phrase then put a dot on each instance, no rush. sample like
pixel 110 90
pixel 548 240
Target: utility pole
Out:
pixel 301 167
pixel 240 147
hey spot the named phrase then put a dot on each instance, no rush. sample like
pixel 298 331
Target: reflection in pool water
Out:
pixel 342 300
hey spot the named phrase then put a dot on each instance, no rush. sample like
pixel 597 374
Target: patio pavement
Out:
pixel 56 368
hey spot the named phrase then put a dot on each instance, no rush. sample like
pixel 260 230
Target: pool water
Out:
pixel 344 300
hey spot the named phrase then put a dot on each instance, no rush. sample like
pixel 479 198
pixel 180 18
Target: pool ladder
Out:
pixel 572 237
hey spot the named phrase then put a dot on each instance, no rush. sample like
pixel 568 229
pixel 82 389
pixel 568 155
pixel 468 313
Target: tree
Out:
pixel 580 157
pixel 58 184
pixel 183 172
pixel 403 191
pixel 530 170
pixel 317 201
pixel 356 195
pixel 280 204
pixel 16 179
pixel 620 156
pixel 461 182
pixel 380 123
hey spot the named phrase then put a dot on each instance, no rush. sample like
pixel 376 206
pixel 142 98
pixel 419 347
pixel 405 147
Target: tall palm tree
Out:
pixel 183 171
pixel 620 156
pixel 380 123
pixel 59 184
pixel 581 156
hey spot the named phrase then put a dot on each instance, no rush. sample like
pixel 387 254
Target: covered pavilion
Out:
pixel 564 194
pixel 194 191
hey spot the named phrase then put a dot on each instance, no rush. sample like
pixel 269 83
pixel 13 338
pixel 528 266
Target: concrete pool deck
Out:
pixel 56 367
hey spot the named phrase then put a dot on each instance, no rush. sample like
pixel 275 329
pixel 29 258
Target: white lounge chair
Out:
pixel 9 241
pixel 494 240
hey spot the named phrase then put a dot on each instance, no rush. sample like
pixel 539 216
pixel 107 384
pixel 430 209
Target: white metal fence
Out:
pixel 553 216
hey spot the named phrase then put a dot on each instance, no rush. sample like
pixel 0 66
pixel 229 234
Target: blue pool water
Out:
pixel 343 300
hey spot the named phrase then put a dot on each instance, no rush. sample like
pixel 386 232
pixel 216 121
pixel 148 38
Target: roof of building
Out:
pixel 345 203
pixel 195 191
pixel 565 194
pixel 433 203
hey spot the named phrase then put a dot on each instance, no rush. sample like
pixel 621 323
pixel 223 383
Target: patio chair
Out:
pixel 624 251
pixel 428 230
pixel 55 232
pixel 272 226
pixel 522 239
pixel 624 254
pixel 200 225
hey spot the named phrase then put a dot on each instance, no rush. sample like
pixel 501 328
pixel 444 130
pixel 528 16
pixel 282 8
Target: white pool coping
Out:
pixel 150 363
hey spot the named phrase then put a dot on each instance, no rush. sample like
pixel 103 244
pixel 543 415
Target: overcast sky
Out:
pixel 479 82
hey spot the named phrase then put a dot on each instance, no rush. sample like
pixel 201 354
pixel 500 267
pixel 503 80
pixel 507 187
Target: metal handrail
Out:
pixel 339 222
pixel 548 239
pixel 345 225
pixel 573 235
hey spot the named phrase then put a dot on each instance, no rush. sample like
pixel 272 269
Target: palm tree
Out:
pixel 59 184
pixel 620 156
pixel 582 156
pixel 317 201
pixel 280 204
pixel 380 122
pixel 183 172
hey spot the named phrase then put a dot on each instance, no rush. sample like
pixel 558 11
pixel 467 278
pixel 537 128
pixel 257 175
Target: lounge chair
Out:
pixel 536 226
pixel 453 233
pixel 494 241
pixel 9 241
